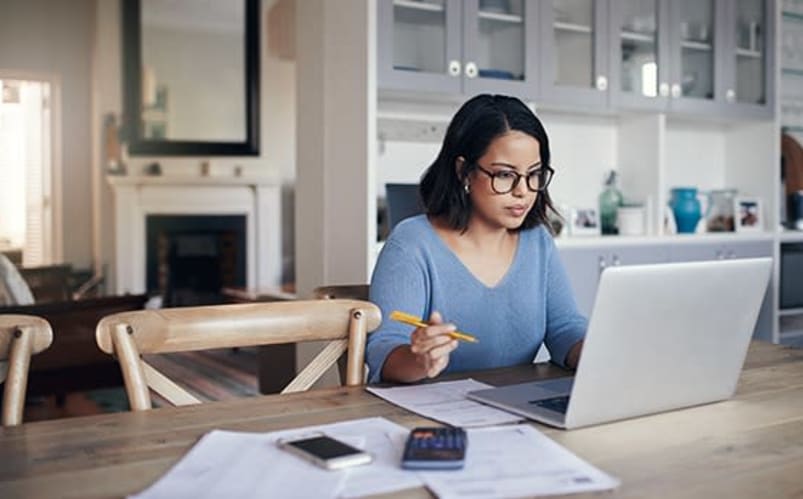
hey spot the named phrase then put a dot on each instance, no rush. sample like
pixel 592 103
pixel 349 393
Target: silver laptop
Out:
pixel 660 337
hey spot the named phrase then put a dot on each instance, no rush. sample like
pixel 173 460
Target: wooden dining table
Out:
pixel 749 446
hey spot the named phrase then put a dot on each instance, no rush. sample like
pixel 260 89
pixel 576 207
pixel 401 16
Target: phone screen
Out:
pixel 324 447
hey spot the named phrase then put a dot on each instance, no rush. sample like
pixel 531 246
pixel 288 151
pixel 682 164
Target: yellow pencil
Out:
pixel 416 321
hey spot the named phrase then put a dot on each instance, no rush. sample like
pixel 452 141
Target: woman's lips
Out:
pixel 517 210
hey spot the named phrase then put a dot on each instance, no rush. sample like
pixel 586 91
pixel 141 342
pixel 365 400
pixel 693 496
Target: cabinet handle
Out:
pixel 731 254
pixel 602 264
pixel 675 91
pixel 730 95
pixel 471 70
pixel 720 255
pixel 616 261
pixel 454 68
pixel 663 89
pixel 602 83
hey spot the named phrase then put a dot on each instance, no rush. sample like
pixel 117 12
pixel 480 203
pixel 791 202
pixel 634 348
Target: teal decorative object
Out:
pixel 686 209
pixel 610 199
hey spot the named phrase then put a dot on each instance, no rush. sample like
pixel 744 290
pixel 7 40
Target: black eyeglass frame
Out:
pixel 540 170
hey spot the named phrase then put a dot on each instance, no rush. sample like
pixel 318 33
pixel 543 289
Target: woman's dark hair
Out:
pixel 477 123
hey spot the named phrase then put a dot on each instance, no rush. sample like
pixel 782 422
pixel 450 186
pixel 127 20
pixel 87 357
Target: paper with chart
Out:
pixel 446 402
pixel 516 461
pixel 244 465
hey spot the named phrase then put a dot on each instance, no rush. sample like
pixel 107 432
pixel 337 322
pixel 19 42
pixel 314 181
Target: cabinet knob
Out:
pixel 602 83
pixel 675 91
pixel 730 95
pixel 454 68
pixel 471 70
pixel 731 254
pixel 663 89
pixel 720 255
pixel 616 261
pixel 602 264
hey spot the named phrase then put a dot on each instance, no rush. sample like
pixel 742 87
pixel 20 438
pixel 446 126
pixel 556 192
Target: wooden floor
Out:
pixel 210 375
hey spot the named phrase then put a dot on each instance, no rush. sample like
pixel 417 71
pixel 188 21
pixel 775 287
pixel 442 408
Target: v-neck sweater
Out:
pixel 417 273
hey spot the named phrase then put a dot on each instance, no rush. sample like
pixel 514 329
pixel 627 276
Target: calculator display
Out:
pixel 435 448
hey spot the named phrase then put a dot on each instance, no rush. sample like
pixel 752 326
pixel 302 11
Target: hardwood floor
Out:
pixel 210 375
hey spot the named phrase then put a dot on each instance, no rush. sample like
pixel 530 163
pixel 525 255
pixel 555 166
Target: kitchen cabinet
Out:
pixel 454 46
pixel 694 56
pixel 585 264
pixel 698 57
pixel 574 54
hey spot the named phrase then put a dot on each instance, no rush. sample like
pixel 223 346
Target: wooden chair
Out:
pixel 345 323
pixel 20 337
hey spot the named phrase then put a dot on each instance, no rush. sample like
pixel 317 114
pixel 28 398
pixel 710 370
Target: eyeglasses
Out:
pixel 505 181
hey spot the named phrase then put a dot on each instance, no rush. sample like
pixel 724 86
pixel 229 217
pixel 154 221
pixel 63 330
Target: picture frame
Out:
pixel 748 214
pixel 584 221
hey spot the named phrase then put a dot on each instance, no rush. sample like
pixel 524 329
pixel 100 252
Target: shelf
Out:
pixel 791 236
pixel 638 37
pixel 572 27
pixel 792 16
pixel 792 128
pixel 498 16
pixel 748 53
pixel 785 312
pixel 413 5
pixel 792 72
pixel 696 45
pixel 706 238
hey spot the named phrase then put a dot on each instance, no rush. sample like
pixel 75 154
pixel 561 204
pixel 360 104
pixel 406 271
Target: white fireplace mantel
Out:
pixel 257 198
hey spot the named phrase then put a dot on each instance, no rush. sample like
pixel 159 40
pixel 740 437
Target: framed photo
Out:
pixel 584 222
pixel 748 215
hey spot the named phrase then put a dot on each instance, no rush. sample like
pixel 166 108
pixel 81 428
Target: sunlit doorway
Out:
pixel 26 169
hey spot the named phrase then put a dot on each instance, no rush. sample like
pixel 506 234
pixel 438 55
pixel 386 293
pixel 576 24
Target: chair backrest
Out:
pixel 13 288
pixel 20 337
pixel 345 323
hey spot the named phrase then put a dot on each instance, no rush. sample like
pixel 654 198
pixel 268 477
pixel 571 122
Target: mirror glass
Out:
pixel 195 87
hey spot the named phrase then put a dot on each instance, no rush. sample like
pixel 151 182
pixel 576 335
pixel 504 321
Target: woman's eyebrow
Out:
pixel 508 165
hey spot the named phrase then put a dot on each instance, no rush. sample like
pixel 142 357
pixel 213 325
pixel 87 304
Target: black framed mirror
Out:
pixel 191 77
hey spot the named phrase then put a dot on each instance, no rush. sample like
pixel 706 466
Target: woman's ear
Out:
pixel 460 167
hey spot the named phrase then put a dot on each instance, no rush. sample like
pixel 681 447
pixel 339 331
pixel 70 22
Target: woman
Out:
pixel 482 257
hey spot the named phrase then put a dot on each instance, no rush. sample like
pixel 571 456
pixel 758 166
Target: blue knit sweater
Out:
pixel 533 303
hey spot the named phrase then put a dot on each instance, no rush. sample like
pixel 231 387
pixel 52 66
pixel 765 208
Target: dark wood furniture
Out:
pixel 746 447
pixel 74 362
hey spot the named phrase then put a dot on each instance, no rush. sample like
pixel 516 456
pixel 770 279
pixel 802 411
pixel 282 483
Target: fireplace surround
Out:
pixel 137 197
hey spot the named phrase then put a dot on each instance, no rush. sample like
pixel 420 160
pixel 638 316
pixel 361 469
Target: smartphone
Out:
pixel 325 451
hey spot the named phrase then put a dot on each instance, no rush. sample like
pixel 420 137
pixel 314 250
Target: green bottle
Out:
pixel 610 199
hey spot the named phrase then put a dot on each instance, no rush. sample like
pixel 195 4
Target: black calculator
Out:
pixel 442 448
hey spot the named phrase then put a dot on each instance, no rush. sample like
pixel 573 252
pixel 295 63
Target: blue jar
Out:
pixel 686 208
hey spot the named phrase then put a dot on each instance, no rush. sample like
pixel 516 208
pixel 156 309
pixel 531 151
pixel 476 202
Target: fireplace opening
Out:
pixel 191 258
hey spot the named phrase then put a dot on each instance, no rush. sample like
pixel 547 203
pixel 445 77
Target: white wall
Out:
pixel 55 38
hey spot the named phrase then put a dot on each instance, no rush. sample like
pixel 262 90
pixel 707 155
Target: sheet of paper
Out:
pixel 516 461
pixel 243 465
pixel 446 402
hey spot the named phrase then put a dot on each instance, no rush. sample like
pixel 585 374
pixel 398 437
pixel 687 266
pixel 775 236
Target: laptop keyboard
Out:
pixel 557 404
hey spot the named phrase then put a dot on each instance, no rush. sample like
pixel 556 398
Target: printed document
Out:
pixel 244 465
pixel 446 402
pixel 516 461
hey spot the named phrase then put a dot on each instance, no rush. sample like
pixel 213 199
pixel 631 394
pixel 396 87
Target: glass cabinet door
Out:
pixel 499 46
pixel 750 35
pixel 574 60
pixel 419 44
pixel 641 52
pixel 693 68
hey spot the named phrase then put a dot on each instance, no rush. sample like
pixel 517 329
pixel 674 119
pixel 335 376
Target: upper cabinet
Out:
pixel 456 46
pixel 574 53
pixel 697 57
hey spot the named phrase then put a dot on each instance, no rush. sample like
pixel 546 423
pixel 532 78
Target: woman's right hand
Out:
pixel 432 345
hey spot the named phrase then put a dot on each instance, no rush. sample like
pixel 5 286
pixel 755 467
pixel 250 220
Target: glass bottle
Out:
pixel 610 199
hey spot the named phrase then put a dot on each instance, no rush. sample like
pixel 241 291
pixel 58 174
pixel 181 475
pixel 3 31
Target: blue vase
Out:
pixel 686 208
